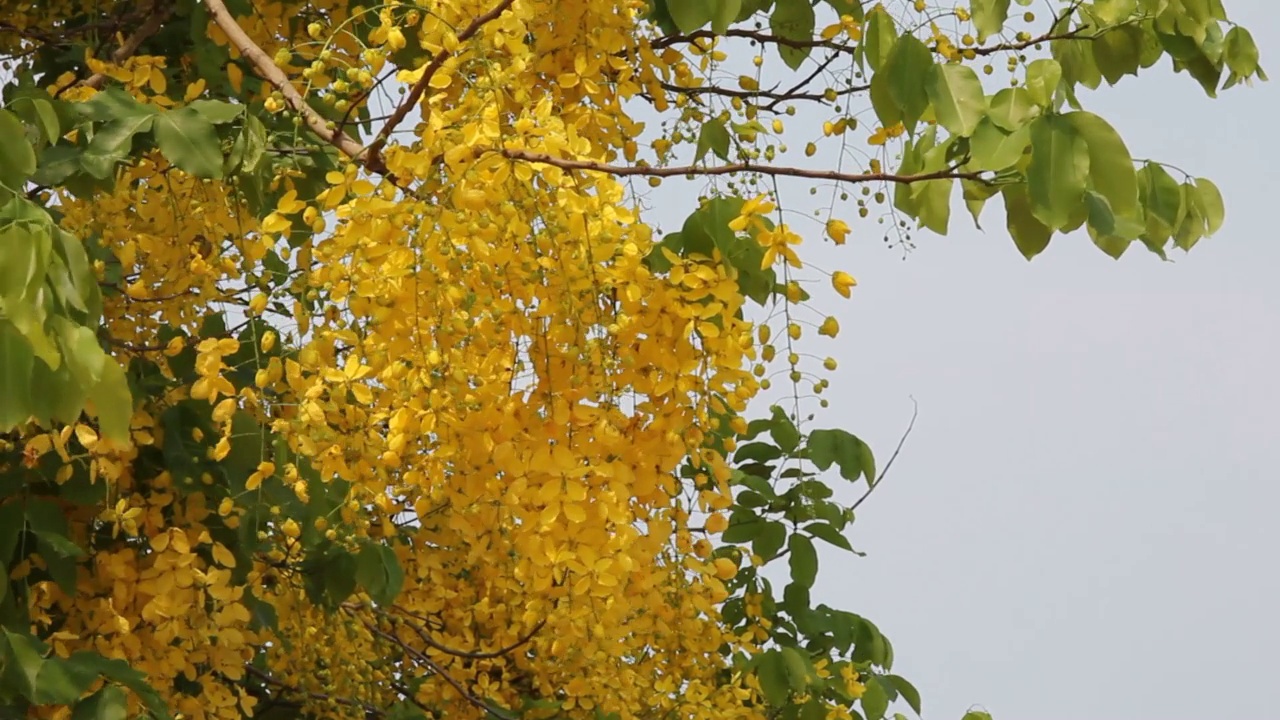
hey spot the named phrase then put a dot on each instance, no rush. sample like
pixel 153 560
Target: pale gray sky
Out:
pixel 1081 525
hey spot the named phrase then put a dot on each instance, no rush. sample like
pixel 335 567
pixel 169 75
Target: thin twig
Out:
pixel 159 13
pixel 915 410
pixel 734 168
pixel 420 87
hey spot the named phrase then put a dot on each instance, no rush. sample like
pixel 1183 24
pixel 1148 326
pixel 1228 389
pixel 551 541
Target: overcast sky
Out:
pixel 1082 524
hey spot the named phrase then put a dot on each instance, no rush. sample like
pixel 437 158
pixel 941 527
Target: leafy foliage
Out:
pixel 319 404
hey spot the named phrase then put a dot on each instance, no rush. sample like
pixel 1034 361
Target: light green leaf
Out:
pixel 80 349
pixel 217 112
pixel 908 63
pixel 715 137
pixel 957 98
pixel 113 402
pixel 852 8
pixel 1111 170
pixel 1110 12
pixel 726 12
pixel 1029 234
pixel 933 204
pixel 1211 203
pixel 989 17
pixel 1013 108
pixel 188 141
pixel 994 149
pixel 794 20
pixel 113 103
pixel 1118 52
pixel 1057 175
pixel 690 15
pixel 976 195
pixel 1043 76
pixel 17 157
pixel 879 38
pixel 1240 52
pixel 1162 200
pixel 16 363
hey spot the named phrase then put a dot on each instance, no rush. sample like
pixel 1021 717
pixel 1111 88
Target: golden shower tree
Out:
pixel 343 373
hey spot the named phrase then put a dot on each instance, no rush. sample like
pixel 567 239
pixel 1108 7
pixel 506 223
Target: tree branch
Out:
pixel 267 69
pixel 159 13
pixel 915 410
pixel 420 87
pixel 733 168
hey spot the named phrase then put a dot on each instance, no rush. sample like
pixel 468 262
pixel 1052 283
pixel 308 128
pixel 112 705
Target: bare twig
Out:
pixel 159 13
pixel 915 410
pixel 470 655
pixel 268 679
pixel 734 168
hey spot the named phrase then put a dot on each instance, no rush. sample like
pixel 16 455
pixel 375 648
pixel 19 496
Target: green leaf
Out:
pixel 1211 204
pixel 17 157
pixel 994 149
pixel 1240 52
pixel 113 402
pixel 189 141
pixel 715 137
pixel 907 64
pixel 803 560
pixel 848 452
pixel 1056 178
pixel 906 690
pixel 879 37
pixel 771 535
pixel 378 572
pixel 875 701
pixel 1111 170
pixel 771 671
pixel 217 112
pixel 793 20
pixel 1029 234
pixel 16 363
pixel 989 17
pixel 1118 52
pixel 62 682
pixel 1110 12
pixel 977 715
pixel 852 8
pixel 797 668
pixel 1162 199
pixel 1043 76
pixel 957 98
pixel 112 144
pixel 690 15
pixel 1012 108
pixel 23 661
pixel 783 431
pixel 109 703
pixel 113 103
pixel 726 12
pixel 826 532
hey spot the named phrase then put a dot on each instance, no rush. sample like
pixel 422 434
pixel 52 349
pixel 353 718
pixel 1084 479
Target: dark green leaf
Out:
pixel 909 62
pixel 875 701
pixel 109 703
pixel 690 15
pixel 771 671
pixel 715 137
pixel 906 690
pixel 189 141
pixel 803 560
pixel 823 531
pixel 848 452
pixel 1029 234
pixel 769 539
pixel 17 157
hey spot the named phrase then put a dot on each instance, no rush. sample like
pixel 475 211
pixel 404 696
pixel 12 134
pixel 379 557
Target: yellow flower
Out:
pixel 842 282
pixel 837 230
pixel 830 327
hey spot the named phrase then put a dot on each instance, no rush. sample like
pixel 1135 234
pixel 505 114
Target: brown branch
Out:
pixel 159 13
pixel 669 40
pixel 267 679
pixel 774 95
pixel 267 69
pixel 470 655
pixel 420 87
pixel 734 168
